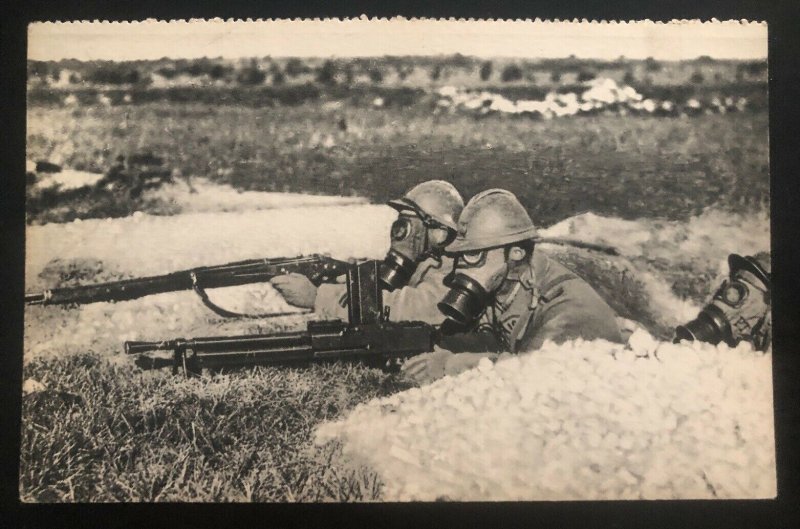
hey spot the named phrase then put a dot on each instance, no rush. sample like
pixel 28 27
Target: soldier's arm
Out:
pixel 416 303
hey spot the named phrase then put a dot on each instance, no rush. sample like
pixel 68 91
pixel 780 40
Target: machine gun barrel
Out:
pixel 323 341
pixel 367 337
pixel 318 268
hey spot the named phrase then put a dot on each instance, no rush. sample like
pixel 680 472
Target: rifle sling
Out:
pixel 225 313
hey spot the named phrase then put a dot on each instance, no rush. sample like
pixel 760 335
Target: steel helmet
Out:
pixel 758 265
pixel 492 218
pixel 436 199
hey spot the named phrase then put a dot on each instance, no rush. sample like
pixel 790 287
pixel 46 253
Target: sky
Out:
pixel 363 38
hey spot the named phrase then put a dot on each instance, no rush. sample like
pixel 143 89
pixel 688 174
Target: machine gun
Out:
pixel 318 268
pixel 368 337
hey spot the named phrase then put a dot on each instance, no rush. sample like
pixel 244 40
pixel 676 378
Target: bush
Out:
pixel 251 76
pixel 585 75
pixel 555 76
pixel 404 71
pixel 486 70
pixel 37 69
pixel 705 59
pixel 512 72
pixel 652 65
pixel 115 74
pixel 349 74
pixel 167 73
pixel 375 75
pixel 629 78
pixel 458 61
pixel 295 67
pixel 219 71
pixel 751 68
pixel 697 78
pixel 327 73
pixel 436 72
pixel 195 69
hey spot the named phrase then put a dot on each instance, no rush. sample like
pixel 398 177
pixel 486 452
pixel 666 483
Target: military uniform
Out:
pixel 414 302
pixel 413 271
pixel 550 303
pixel 504 288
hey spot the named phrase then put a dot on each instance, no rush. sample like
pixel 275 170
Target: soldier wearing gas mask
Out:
pixel 504 287
pixel 414 269
pixel 739 310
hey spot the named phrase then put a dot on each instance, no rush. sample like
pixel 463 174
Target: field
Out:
pixel 674 194
pixel 647 167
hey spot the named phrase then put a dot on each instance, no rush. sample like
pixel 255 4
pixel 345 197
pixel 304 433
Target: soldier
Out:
pixel 503 287
pixel 413 271
pixel 739 310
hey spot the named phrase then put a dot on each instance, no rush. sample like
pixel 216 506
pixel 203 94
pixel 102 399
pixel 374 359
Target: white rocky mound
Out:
pixel 583 420
pixel 201 195
pixel 600 94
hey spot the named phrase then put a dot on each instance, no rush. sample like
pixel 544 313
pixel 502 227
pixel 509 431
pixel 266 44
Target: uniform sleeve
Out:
pixel 410 303
pixel 329 304
pixel 579 312
pixel 470 342
pixel 417 303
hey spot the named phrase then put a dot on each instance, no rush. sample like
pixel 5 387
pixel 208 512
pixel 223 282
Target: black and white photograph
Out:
pixel 397 260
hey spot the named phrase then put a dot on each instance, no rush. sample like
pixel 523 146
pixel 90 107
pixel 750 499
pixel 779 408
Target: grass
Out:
pixel 105 432
pixel 101 433
pixel 620 166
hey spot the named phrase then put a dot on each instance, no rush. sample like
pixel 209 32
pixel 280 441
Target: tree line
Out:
pixel 346 72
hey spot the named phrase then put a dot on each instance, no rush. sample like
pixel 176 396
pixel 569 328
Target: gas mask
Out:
pixel 739 309
pixel 414 237
pixel 477 277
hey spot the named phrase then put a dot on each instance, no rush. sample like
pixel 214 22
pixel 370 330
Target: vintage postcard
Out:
pixel 397 260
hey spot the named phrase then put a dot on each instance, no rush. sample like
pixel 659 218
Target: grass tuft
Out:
pixel 102 433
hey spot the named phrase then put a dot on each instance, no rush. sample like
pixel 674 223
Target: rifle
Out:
pixel 368 337
pixel 318 268
pixel 597 247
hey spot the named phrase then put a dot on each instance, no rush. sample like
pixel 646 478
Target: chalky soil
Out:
pixel 577 421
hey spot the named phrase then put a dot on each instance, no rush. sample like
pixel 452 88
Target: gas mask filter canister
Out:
pixel 472 285
pixel 739 309
pixel 408 244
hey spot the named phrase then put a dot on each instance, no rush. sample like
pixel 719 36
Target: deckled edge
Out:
pixel 401 19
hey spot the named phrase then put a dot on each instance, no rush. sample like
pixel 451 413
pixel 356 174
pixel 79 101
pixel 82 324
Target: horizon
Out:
pixel 378 57
pixel 363 38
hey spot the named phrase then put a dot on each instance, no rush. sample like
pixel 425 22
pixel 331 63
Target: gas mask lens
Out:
pixel 408 245
pixel 473 259
pixel 733 293
pixel 401 228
